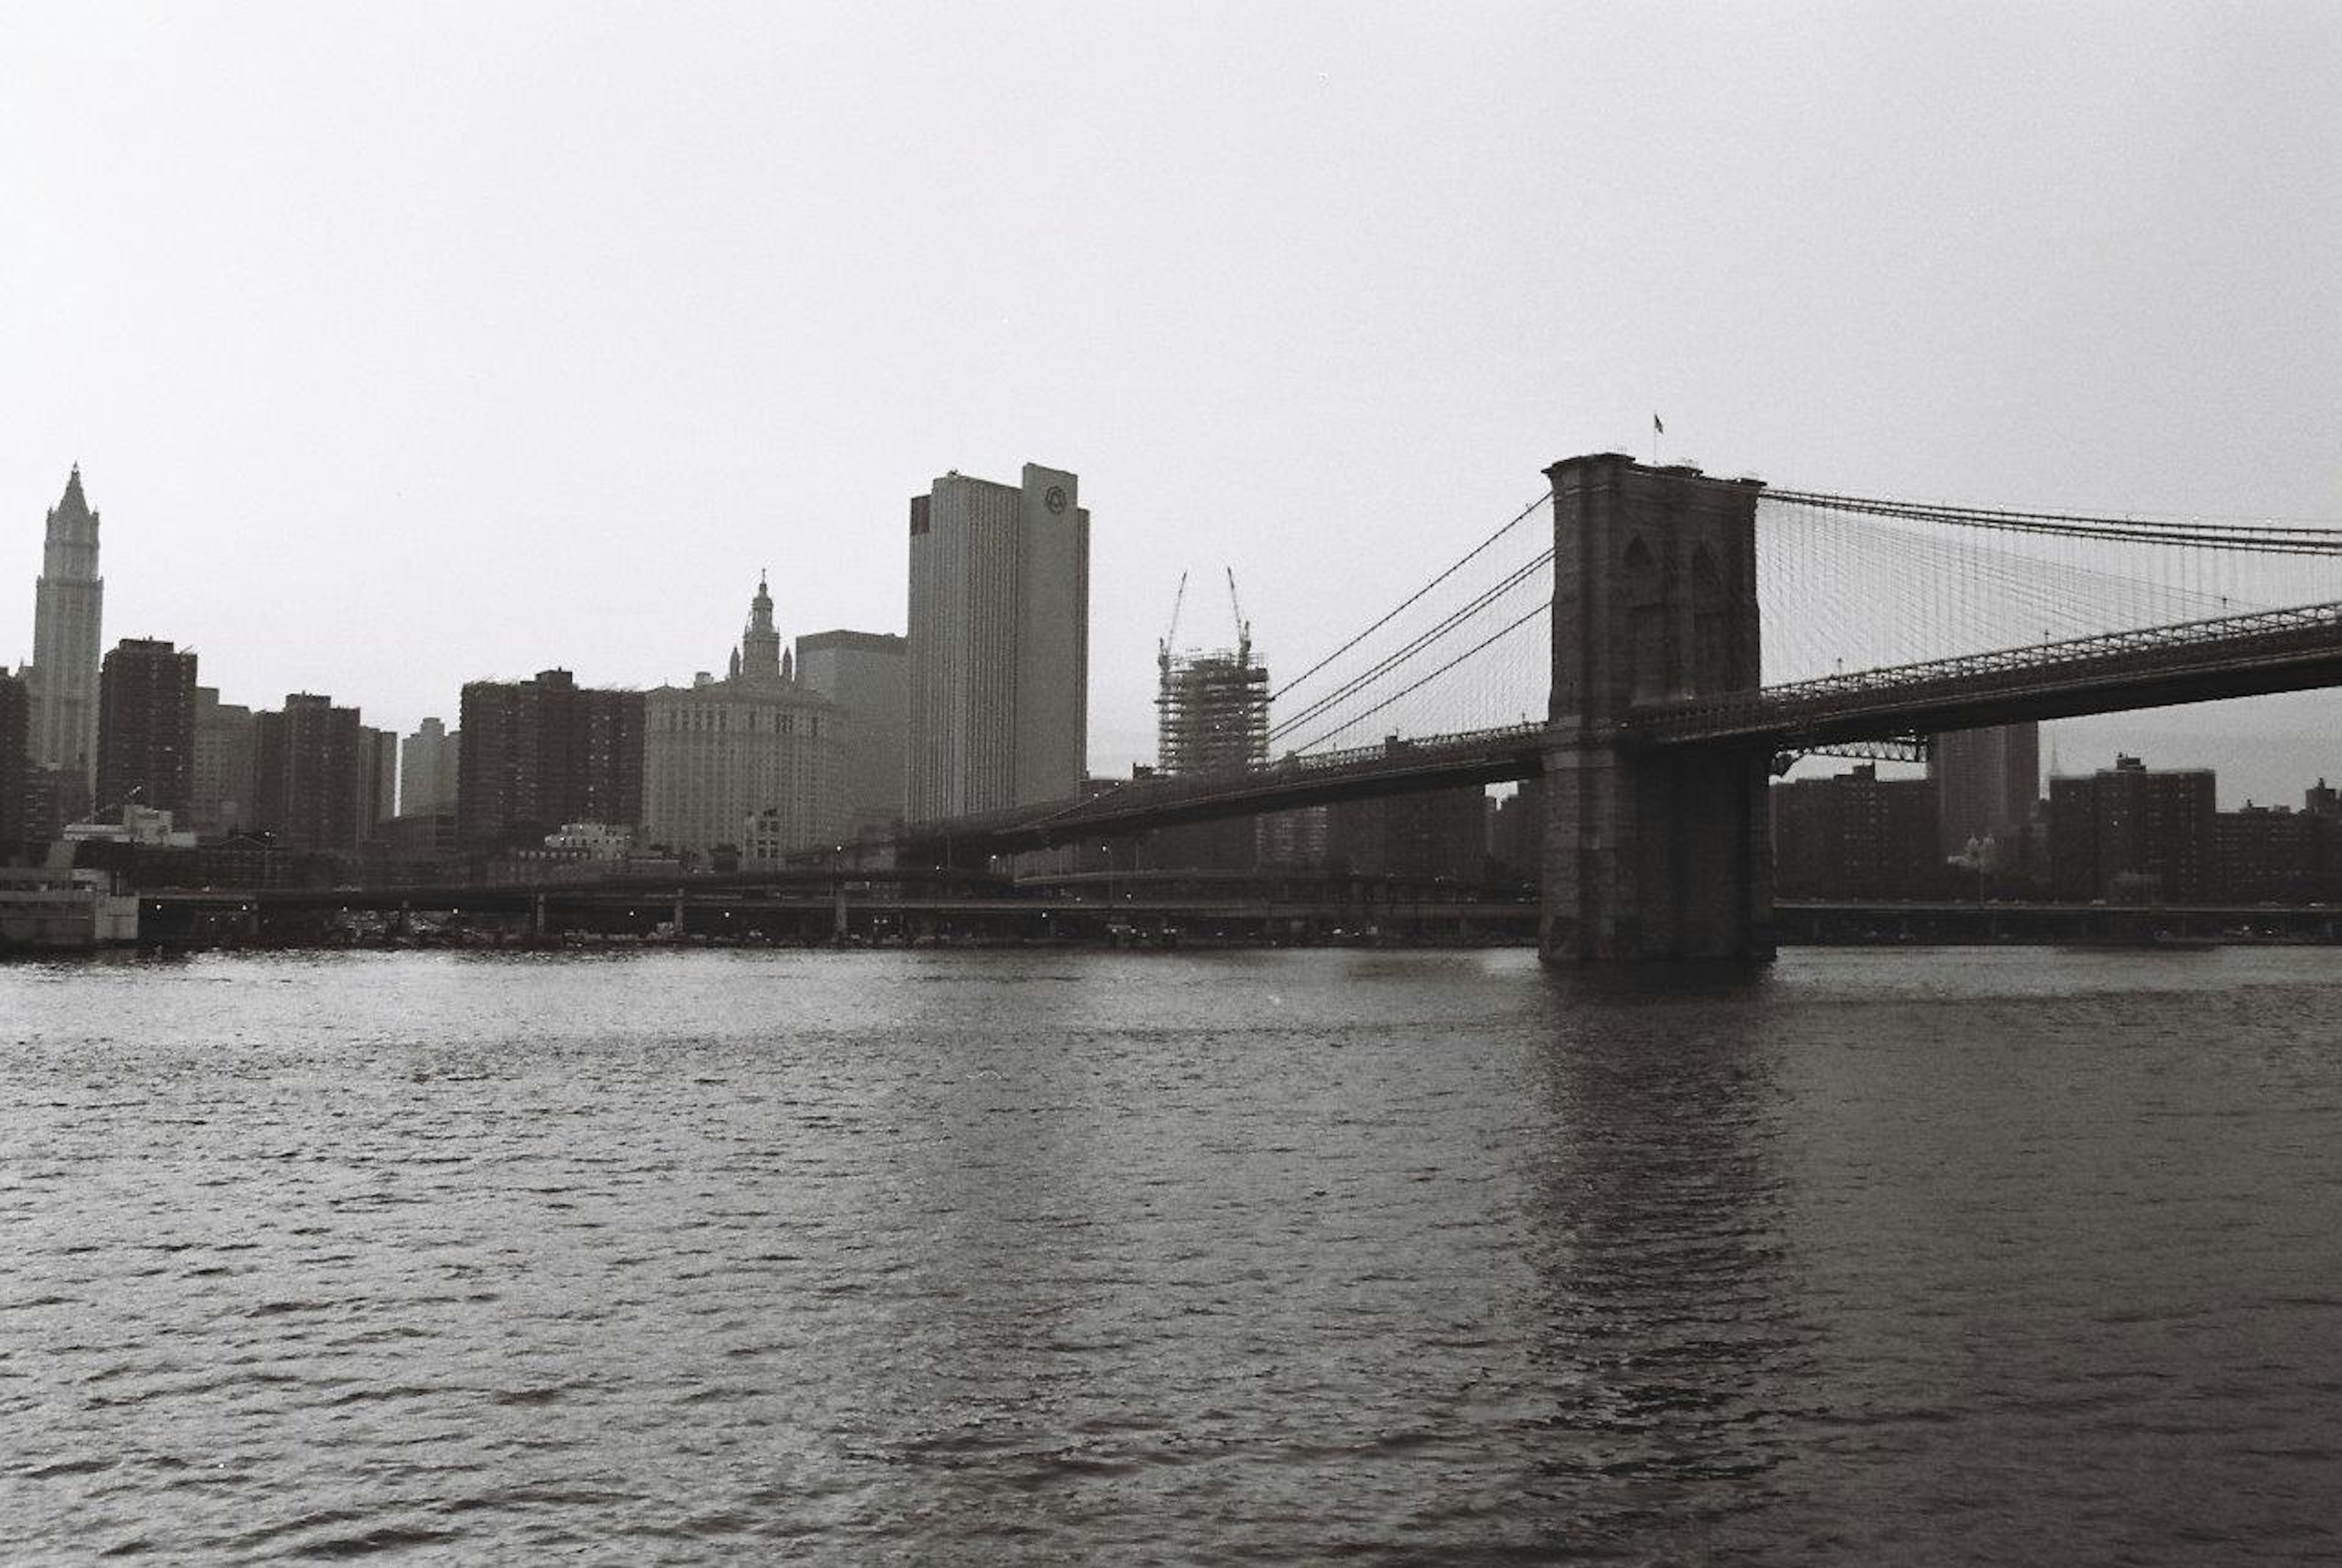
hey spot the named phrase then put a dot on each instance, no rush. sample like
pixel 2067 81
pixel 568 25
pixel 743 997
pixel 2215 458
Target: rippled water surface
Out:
pixel 1886 1257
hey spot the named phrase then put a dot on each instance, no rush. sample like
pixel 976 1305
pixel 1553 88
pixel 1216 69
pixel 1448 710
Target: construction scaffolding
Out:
pixel 1211 713
pixel 1211 709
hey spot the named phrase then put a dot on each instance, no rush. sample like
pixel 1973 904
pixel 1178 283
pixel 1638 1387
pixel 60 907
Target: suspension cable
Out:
pixel 1455 618
pixel 2268 539
pixel 1422 681
pixel 1396 610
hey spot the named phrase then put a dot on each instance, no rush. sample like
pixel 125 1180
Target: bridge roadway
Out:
pixel 2243 656
pixel 1499 755
pixel 2200 661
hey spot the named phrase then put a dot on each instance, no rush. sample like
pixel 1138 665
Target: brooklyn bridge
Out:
pixel 1655 644
pixel 1621 629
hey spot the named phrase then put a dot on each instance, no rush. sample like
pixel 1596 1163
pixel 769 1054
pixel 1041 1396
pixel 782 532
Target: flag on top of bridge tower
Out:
pixel 1657 428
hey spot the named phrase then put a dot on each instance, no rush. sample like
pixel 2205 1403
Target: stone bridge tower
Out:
pixel 1651 852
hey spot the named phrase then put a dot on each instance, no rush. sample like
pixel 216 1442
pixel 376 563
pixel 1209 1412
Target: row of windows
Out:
pixel 718 721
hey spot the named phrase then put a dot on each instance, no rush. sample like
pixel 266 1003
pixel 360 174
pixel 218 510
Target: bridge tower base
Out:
pixel 1651 852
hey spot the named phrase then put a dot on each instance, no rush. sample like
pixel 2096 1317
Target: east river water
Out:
pixel 1888 1257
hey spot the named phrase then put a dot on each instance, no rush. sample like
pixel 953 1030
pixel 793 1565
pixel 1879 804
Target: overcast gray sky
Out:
pixel 403 344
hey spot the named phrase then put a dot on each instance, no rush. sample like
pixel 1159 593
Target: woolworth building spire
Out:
pixel 68 608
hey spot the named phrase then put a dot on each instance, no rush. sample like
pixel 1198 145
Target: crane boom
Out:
pixel 1163 648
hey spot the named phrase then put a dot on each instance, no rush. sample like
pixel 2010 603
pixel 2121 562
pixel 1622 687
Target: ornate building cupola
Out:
pixel 760 645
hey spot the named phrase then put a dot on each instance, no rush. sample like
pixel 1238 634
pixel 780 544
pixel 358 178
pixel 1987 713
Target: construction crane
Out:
pixel 1163 648
pixel 1243 627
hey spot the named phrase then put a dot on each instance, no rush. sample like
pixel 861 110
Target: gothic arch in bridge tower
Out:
pixel 1644 595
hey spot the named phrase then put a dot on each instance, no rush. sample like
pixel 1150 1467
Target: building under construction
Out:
pixel 1211 713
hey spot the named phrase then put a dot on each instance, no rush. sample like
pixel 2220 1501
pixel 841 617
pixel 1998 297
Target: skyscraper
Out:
pixel 224 754
pixel 377 780
pixel 999 643
pixel 306 772
pixel 146 728
pixel 16 759
pixel 541 753
pixel 866 673
pixel 1211 713
pixel 758 744
pixel 427 762
pixel 67 611
pixel 2132 834
pixel 1986 782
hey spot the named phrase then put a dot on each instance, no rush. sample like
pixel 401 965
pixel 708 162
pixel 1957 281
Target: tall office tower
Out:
pixel 999 643
pixel 1987 783
pixel 866 674
pixel 758 744
pixel 222 801
pixel 16 759
pixel 68 610
pixel 541 753
pixel 376 783
pixel 426 769
pixel 1211 713
pixel 146 727
pixel 305 771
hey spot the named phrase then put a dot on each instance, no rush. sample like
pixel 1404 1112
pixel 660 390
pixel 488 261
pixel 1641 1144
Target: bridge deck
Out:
pixel 1401 767
pixel 2196 660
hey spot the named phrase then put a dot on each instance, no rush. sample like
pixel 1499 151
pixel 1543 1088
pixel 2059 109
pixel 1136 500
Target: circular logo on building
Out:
pixel 1056 499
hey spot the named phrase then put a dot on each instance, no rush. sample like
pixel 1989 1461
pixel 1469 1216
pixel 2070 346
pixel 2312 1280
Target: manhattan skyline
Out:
pixel 543 331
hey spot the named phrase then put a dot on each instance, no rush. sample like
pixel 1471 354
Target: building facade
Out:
pixel 538 753
pixel 1438 834
pixel 868 675
pixel 1857 835
pixel 427 762
pixel 1433 835
pixel 307 777
pixel 2263 855
pixel 16 761
pixel 2132 834
pixel 146 729
pixel 222 800
pixel 1296 840
pixel 1211 713
pixel 68 616
pixel 1988 784
pixel 377 780
pixel 1516 832
pixel 758 744
pixel 54 796
pixel 999 643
